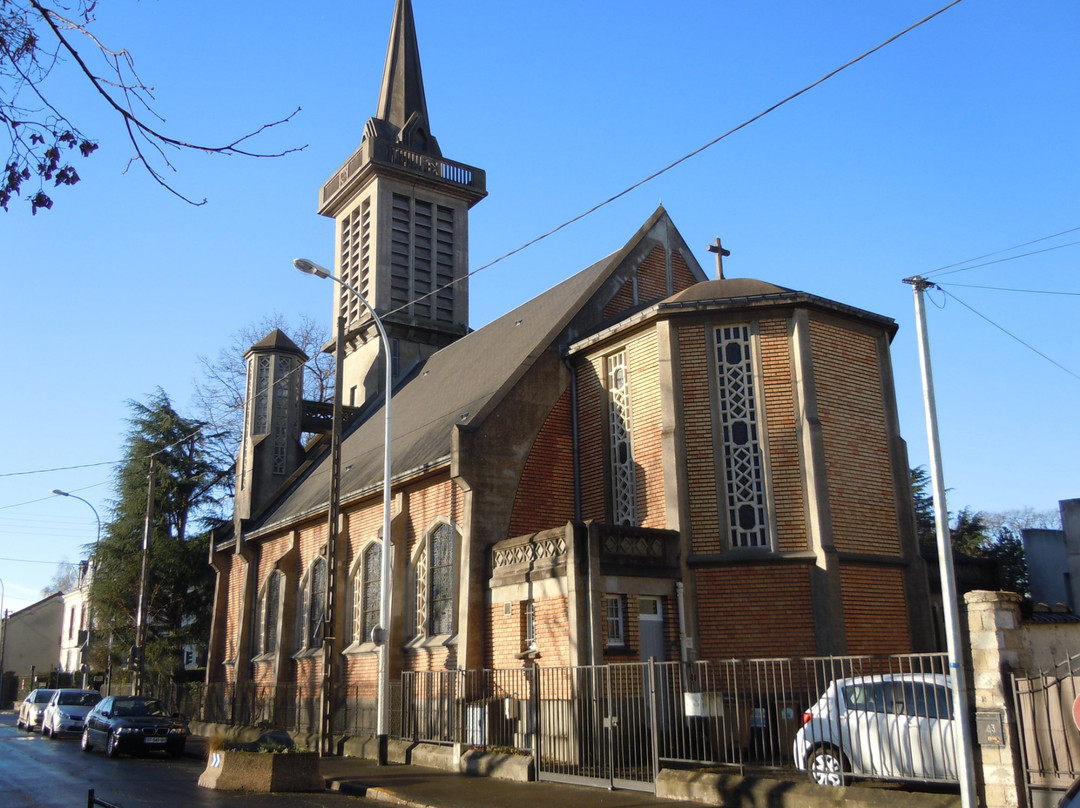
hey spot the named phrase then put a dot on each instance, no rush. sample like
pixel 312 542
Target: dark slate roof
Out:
pixel 457 385
pixel 276 342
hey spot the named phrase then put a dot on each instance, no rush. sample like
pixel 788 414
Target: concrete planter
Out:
pixel 263 771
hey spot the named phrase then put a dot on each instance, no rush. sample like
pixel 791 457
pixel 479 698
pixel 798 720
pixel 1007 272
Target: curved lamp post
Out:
pixel 381 634
pixel 93 565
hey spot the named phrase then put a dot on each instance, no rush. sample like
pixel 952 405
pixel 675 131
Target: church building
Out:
pixel 641 462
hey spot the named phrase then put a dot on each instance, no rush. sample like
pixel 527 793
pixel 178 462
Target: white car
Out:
pixel 893 726
pixel 67 711
pixel 32 708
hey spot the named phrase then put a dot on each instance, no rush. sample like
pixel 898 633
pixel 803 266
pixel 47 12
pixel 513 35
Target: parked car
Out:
pixel 132 724
pixel 893 726
pixel 66 710
pixel 33 708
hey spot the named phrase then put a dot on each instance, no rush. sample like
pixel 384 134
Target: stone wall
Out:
pixel 1002 643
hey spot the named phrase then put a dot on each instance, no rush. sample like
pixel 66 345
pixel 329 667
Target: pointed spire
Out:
pixel 402 102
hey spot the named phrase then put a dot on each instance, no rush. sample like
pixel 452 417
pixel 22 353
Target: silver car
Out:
pixel 67 710
pixel 33 708
pixel 893 726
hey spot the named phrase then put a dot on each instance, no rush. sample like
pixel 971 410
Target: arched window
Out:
pixel 267 614
pixel 366 593
pixel 312 610
pixel 435 582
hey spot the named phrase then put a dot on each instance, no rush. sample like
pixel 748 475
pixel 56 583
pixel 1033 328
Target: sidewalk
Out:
pixel 424 787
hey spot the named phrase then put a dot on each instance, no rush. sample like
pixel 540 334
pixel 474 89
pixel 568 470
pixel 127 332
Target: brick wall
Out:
pixel 697 416
pixel 643 372
pixel 545 494
pixel 851 406
pixel 755 611
pixel 591 436
pixel 875 610
pixel 784 462
pixel 506 633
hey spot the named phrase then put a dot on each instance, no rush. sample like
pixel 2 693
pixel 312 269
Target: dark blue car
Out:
pixel 133 724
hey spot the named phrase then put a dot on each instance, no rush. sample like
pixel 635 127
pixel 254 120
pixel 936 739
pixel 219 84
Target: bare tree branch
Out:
pixel 38 142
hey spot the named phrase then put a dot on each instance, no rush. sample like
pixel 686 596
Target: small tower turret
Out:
pixel 270 451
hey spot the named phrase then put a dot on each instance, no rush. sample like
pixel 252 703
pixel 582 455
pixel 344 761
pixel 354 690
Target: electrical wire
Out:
pixel 1008 333
pixel 1020 291
pixel 999 252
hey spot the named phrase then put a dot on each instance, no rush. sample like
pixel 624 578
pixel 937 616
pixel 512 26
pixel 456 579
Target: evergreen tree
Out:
pixel 925 528
pixel 180 583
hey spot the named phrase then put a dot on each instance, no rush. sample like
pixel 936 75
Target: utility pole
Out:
pixel 326 699
pixel 965 766
pixel 137 651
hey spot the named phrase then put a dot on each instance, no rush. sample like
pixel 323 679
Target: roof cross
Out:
pixel 718 248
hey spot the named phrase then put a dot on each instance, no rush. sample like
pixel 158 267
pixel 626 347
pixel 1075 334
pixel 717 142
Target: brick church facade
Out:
pixel 640 462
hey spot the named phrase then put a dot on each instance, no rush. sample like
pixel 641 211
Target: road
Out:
pixel 37 772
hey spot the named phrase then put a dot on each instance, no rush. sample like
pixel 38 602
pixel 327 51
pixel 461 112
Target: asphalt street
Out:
pixel 37 772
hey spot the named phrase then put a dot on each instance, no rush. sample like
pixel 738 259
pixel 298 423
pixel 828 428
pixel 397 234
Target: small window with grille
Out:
pixel 615 614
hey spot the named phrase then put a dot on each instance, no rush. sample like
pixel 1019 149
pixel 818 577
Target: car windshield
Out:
pixel 132 707
pixel 80 699
pixel 42 696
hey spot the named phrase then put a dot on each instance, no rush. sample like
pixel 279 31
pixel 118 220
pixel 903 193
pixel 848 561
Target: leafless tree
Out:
pixel 35 37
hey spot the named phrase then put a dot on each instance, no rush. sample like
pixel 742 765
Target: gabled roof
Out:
pixel 458 385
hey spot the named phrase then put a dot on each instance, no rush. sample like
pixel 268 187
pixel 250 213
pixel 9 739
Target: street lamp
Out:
pixel 92 568
pixel 381 634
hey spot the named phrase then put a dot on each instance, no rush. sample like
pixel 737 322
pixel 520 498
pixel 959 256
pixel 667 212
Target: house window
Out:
pixel 366 593
pixel 620 449
pixel 616 621
pixel 312 605
pixel 267 611
pixel 743 456
pixel 435 582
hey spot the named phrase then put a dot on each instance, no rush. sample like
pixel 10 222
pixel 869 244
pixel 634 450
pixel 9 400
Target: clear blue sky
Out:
pixel 958 140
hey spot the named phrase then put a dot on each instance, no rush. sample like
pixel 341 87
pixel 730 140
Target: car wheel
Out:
pixel 826 766
pixel 112 745
pixel 44 730
pixel 86 745
pixel 19 724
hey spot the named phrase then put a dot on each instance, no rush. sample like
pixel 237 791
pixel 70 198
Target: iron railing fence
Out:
pixel 871 716
pixel 480 708
pixel 1049 740
pixel 868 716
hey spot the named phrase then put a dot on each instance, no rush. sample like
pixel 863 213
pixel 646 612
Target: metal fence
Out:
pixel 1049 741
pixel 882 717
pixel 864 716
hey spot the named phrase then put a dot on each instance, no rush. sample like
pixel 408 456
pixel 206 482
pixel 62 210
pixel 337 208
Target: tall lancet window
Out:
pixel 620 447
pixel 280 417
pixel 744 463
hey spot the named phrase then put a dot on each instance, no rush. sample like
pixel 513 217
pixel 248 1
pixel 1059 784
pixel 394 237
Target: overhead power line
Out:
pixel 1008 333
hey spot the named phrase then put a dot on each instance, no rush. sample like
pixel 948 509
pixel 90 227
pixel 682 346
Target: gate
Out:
pixel 596 725
pixel 1049 741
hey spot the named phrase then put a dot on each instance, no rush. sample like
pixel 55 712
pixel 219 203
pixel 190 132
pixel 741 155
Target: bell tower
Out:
pixel 402 213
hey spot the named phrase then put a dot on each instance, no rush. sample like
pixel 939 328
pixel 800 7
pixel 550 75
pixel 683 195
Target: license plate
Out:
pixel 153 739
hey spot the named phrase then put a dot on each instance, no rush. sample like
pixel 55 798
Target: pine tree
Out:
pixel 180 583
